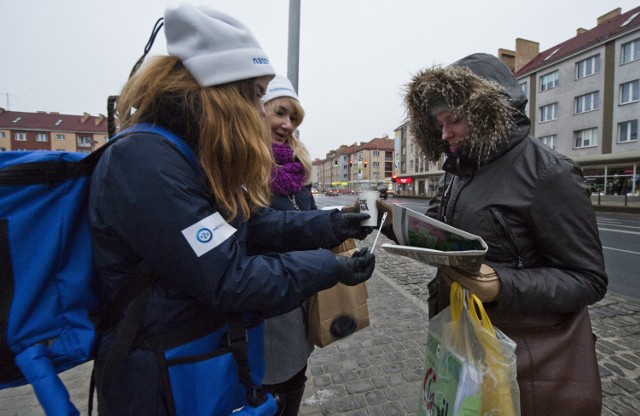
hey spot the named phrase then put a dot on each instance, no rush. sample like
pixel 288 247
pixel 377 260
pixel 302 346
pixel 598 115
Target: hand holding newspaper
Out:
pixel 435 243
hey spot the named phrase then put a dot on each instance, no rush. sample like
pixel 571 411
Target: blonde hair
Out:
pixel 300 152
pixel 223 122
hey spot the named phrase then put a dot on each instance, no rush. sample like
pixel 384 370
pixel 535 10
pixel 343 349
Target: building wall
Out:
pixel 565 95
pixel 5 140
pixel 66 141
pixel 605 118
pixel 624 73
pixel 30 143
pixel 51 131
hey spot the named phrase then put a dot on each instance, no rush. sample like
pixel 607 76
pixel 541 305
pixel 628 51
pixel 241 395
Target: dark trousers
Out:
pixel 290 393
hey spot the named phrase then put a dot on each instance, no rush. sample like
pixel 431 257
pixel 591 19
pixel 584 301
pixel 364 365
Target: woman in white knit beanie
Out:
pixel 286 346
pixel 193 215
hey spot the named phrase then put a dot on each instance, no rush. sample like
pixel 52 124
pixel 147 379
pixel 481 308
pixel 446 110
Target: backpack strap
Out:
pixel 238 344
pixel 51 172
pixel 127 329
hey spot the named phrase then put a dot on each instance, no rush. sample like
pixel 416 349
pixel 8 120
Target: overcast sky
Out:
pixel 355 55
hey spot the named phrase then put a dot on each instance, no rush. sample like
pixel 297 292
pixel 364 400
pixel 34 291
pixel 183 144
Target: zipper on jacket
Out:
pixel 444 199
pixel 495 214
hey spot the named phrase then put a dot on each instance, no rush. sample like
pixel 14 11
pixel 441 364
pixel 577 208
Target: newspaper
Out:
pixel 435 243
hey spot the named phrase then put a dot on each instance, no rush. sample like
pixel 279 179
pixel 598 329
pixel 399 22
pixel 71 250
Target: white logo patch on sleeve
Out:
pixel 208 233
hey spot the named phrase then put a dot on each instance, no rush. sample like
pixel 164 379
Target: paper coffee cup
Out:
pixel 367 201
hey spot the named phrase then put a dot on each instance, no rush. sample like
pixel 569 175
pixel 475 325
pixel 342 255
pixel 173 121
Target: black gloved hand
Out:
pixel 347 225
pixel 387 227
pixel 357 268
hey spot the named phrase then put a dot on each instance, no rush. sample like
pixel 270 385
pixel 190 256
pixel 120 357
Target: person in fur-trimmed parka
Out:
pixel 531 206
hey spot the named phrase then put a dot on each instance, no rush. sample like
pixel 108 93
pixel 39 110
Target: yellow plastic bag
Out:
pixel 470 366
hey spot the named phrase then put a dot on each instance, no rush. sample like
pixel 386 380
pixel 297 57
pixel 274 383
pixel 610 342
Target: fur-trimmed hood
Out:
pixel 479 88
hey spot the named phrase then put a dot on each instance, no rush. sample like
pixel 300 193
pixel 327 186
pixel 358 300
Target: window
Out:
pixel 1 135
pixel 60 137
pixel 548 112
pixel 588 66
pixel 20 137
pixel 630 52
pixel 586 138
pixel 629 92
pixel 376 153
pixel 524 86
pixel 375 165
pixel 588 102
pixel 549 81
pixel 85 141
pixel 42 137
pixel 549 140
pixel 628 131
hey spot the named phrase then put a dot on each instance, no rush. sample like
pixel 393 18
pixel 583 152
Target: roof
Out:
pixel 379 143
pixel 86 123
pixel 615 27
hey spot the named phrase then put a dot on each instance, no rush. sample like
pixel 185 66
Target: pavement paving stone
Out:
pixel 377 371
pixel 398 309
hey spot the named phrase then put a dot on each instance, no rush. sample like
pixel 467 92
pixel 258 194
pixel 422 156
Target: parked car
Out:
pixel 314 191
pixel 346 191
pixel 331 192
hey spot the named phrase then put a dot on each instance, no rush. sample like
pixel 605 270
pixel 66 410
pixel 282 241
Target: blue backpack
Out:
pixel 50 315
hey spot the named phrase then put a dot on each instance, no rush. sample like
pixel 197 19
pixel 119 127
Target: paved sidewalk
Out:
pixel 377 370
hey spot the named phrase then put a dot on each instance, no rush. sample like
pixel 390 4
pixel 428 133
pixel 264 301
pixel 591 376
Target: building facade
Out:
pixel 357 167
pixel 413 173
pixel 51 131
pixel 584 102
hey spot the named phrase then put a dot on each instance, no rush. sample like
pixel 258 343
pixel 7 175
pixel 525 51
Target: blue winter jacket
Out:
pixel 146 204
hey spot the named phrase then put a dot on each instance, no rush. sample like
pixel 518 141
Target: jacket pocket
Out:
pixel 501 226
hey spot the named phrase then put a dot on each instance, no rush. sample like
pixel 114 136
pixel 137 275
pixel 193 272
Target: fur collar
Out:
pixel 484 104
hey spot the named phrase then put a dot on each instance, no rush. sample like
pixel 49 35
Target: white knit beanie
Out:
pixel 280 86
pixel 215 47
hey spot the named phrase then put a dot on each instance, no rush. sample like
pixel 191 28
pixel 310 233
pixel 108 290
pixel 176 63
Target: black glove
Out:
pixel 347 225
pixel 357 268
pixel 387 227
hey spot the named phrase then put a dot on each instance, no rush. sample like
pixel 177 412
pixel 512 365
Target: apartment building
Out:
pixel 584 102
pixel 357 167
pixel 413 173
pixel 584 99
pixel 51 131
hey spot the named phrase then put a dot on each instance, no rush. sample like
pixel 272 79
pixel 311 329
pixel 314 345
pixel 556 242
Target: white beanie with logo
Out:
pixel 215 47
pixel 280 86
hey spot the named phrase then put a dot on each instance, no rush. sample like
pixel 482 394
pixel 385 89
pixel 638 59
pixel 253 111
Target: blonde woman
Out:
pixel 286 347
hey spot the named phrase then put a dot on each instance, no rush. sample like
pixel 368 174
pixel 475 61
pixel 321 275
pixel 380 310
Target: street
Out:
pixel 619 233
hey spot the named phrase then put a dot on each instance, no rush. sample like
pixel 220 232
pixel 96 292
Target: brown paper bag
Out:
pixel 339 306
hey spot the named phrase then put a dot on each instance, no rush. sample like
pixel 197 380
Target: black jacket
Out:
pixel 529 203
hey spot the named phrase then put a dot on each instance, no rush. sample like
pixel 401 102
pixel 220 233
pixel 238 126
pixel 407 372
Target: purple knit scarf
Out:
pixel 288 177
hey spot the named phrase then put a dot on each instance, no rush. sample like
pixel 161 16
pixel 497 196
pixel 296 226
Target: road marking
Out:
pixel 619 249
pixel 619 231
